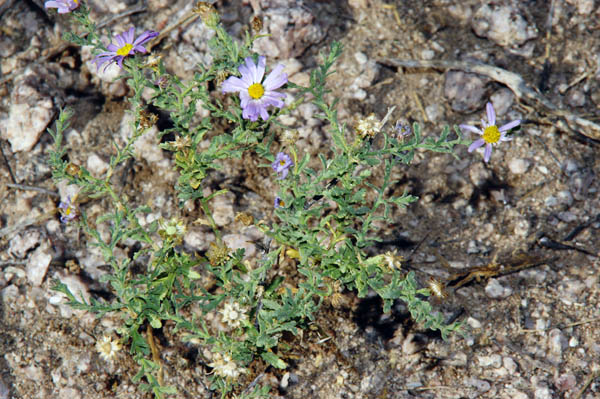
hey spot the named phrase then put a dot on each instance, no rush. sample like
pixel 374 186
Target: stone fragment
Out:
pixel 291 28
pixel 465 91
pixel 96 165
pixel 29 114
pixel 503 23
pixel 495 290
pixel 584 7
pixel 518 166
pixel 38 263
pixel 22 243
pixel 502 100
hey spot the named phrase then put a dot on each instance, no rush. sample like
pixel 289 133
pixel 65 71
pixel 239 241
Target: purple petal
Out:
pixel 491 114
pixel 245 99
pixel 487 153
pixel 283 174
pixel 234 84
pixel 251 71
pixel 112 48
pixel 139 49
pixel 276 78
pixel 144 37
pixel 510 125
pixel 129 35
pixel 471 129
pixel 251 112
pixel 476 144
pixel 260 69
pixel 246 74
pixel 272 99
pixel 120 41
pixel 263 112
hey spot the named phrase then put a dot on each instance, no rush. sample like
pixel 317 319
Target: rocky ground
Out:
pixel 516 239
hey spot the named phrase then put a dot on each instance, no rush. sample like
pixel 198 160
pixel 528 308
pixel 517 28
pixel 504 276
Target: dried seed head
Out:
pixel 246 218
pixel 153 62
pixel 368 127
pixel 218 253
pixel 208 13
pixel 437 289
pixel 147 119
pixel 256 24
pixel 221 76
pixel 290 137
pixel 392 260
pixel 72 169
pixel 108 348
pixel 181 143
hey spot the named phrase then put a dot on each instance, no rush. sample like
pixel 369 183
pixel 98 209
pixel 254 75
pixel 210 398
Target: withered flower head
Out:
pixel 72 169
pixel 368 127
pixel 208 13
pixel 147 119
pixel 256 24
pixel 218 253
pixel 246 218
pixel 437 289
pixel 181 143
pixel 290 137
pixel 221 76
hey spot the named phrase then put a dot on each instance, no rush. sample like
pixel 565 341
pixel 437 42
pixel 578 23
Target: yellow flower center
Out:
pixel 76 2
pixel 123 51
pixel 256 91
pixel 491 134
pixel 68 211
pixel 282 162
pixel 281 203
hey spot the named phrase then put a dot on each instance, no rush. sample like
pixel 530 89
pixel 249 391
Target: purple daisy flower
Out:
pixel 279 203
pixel 256 95
pixel 125 46
pixel 402 130
pixel 62 6
pixel 282 165
pixel 491 134
pixel 68 211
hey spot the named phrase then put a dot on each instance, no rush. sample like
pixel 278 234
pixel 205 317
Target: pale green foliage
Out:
pixel 332 242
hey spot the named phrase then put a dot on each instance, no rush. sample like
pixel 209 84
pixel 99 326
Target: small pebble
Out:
pixel 494 360
pixel 565 382
pixel 434 112
pixel 495 290
pixel 479 385
pixel 542 392
pixel 558 341
pixel 502 100
pixel 473 322
pixel 565 198
pixel 518 165
pixel 503 24
pixel 38 263
pixel 551 201
pixel 509 364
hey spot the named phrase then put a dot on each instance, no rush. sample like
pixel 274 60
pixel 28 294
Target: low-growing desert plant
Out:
pixel 325 213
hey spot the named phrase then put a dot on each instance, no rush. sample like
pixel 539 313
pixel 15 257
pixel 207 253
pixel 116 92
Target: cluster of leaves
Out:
pixel 327 221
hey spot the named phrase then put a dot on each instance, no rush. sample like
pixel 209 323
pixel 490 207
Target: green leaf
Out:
pixel 273 360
